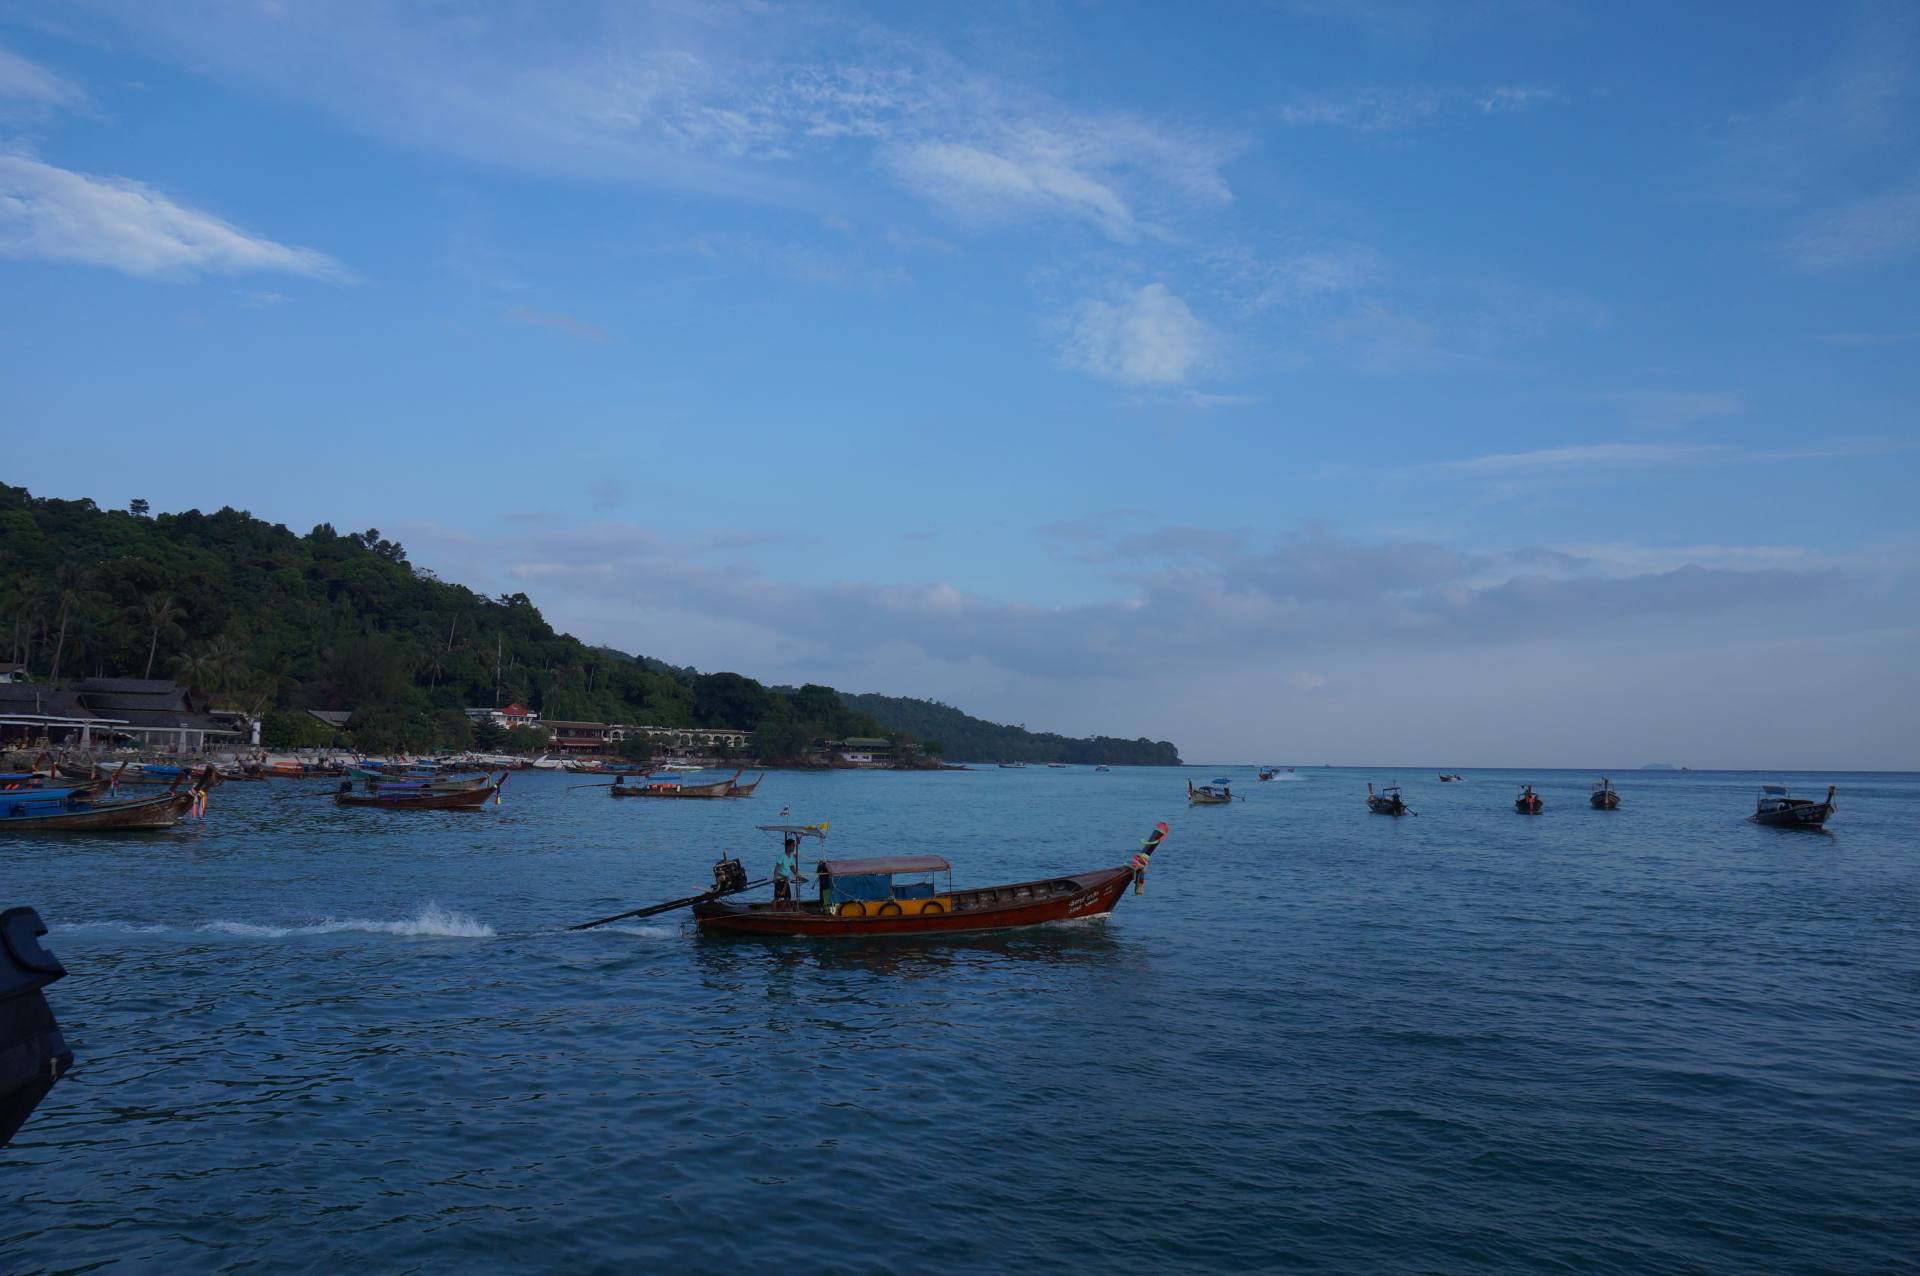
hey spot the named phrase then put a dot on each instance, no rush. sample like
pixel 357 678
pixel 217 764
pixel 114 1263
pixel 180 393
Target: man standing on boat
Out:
pixel 786 871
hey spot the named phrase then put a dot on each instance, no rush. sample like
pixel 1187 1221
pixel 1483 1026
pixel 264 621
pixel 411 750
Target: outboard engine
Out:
pixel 32 1054
pixel 729 875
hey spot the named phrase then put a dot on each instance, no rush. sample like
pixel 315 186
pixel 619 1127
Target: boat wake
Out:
pixel 639 930
pixel 432 922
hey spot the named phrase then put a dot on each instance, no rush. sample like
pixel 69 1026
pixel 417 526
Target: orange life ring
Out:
pixel 852 908
pixel 890 909
pixel 932 906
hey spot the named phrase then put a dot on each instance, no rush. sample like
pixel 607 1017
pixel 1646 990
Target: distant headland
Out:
pixel 333 639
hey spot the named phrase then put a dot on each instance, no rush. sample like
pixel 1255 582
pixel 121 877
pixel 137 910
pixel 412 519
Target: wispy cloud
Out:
pixel 1870 232
pixel 749 102
pixel 1671 409
pixel 797 261
pixel 24 81
pixel 1615 456
pixel 1143 337
pixel 1900 338
pixel 53 214
pixel 1589 455
pixel 1380 109
pixel 557 321
pixel 1061 164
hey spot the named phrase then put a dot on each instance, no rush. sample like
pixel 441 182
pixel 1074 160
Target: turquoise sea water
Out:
pixel 1658 1039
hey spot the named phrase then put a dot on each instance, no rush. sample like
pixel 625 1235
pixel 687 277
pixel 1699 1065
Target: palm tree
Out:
pixel 25 602
pixel 163 616
pixel 229 659
pixel 69 596
pixel 196 668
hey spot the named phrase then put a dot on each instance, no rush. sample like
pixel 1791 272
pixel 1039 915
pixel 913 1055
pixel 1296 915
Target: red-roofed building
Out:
pixel 514 715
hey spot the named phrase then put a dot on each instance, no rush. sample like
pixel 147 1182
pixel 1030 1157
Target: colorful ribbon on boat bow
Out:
pixel 1145 854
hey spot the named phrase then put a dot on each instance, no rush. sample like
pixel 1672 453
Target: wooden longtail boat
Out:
pixel 675 789
pixel 407 798
pixel 59 810
pixel 866 898
pixel 1267 773
pixel 1779 810
pixel 1214 794
pixel 1528 803
pixel 1386 802
pixel 737 789
pixel 1603 797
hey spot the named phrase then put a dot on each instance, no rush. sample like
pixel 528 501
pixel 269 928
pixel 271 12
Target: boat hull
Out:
pixel 1608 801
pixel 1811 816
pixel 994 908
pixel 462 800
pixel 162 811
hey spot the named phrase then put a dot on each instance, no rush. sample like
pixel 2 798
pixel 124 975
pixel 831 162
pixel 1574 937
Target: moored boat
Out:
pixel 1387 801
pixel 1528 803
pixel 1603 797
pixel 406 797
pixel 675 788
pixel 737 789
pixel 66 810
pixel 1013 766
pixel 1780 809
pixel 1267 772
pixel 1449 779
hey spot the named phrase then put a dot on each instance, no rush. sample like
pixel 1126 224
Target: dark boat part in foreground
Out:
pixel 1528 803
pixel 32 1053
pixel 1779 810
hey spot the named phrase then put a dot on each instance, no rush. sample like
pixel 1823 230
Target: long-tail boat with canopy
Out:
pixel 895 896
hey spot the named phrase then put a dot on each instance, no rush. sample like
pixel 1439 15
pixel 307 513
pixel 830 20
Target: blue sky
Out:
pixel 1454 384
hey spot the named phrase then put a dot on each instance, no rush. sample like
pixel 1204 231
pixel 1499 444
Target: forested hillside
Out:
pixel 961 736
pixel 263 618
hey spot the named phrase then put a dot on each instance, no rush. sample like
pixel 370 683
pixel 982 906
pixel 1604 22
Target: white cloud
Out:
pixel 52 214
pixel 989 184
pixel 1144 337
pixel 24 81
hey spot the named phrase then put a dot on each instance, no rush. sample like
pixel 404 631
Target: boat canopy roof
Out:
pixel 798 830
pixel 887 864
pixel 1778 790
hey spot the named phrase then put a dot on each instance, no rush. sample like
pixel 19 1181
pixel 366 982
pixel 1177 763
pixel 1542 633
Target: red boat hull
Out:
pixel 1060 899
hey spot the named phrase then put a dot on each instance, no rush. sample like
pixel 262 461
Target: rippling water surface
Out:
pixel 1659 1039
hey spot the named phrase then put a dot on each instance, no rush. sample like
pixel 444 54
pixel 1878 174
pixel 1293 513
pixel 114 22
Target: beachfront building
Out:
pixel 863 751
pixel 577 737
pixel 10 672
pixel 153 713
pixel 684 742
